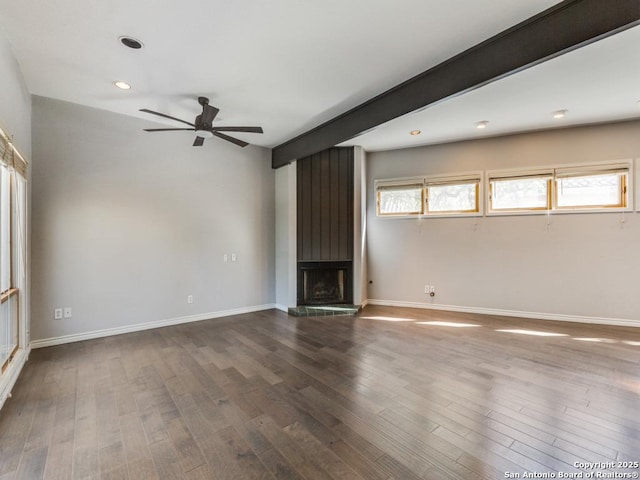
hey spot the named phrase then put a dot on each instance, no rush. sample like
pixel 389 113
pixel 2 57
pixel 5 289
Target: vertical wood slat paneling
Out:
pixel 340 217
pixel 325 206
pixel 334 205
pixel 316 200
pixel 346 191
pixel 299 202
pixel 325 213
pixel 304 194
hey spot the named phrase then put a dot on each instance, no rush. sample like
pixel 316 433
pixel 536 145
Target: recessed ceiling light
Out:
pixel 415 132
pixel 122 85
pixel 131 42
pixel 559 113
pixel 482 124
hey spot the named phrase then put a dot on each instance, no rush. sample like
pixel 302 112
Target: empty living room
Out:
pixel 319 240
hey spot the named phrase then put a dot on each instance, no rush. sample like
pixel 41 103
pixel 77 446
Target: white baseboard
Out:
pixel 11 374
pixel 107 332
pixel 7 383
pixel 622 322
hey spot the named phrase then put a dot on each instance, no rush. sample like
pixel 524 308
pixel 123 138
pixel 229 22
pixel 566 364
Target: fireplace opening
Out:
pixel 324 283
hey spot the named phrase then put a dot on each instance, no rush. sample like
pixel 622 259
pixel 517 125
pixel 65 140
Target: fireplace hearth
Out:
pixel 324 283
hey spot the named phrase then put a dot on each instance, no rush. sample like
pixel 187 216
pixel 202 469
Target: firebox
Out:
pixel 324 283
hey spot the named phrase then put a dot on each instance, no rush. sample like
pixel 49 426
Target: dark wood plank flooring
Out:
pixel 378 396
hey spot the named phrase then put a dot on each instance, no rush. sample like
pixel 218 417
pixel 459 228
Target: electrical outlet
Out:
pixel 225 258
pixel 57 314
pixel 67 312
pixel 426 289
pixel 233 257
pixel 432 289
pixel 189 298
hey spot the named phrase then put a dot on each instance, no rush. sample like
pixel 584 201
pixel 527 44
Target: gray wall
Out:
pixel 126 224
pixel 286 237
pixel 359 226
pixel 584 265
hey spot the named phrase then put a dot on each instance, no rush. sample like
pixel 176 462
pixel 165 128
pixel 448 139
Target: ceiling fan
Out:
pixel 203 125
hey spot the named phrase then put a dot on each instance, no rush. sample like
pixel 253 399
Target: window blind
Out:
pixel 400 184
pixel 586 171
pixel 10 157
pixel 436 183
pixel 501 176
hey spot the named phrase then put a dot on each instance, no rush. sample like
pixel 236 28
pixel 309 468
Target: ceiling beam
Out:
pixel 560 29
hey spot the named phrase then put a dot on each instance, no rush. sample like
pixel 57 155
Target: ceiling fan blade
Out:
pixel 240 143
pixel 208 114
pixel 238 129
pixel 198 142
pixel 166 116
pixel 168 129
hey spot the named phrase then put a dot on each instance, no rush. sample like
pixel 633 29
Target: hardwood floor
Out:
pixel 378 396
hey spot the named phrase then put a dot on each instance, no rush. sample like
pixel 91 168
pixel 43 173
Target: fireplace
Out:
pixel 324 283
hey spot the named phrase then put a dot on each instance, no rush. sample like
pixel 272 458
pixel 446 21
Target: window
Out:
pixel 520 192
pixel 594 187
pixel 5 229
pixel 453 195
pixel 430 196
pixel 580 188
pixel 399 199
pixel 591 188
pixel 12 250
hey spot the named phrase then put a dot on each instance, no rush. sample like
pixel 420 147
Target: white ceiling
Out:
pixel 289 65
pixel 596 83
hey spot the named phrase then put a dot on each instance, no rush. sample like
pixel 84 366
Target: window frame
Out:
pixel 457 179
pixel 484 189
pixel 424 182
pixel 13 258
pixel 506 175
pixel 400 184
pixel 595 170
